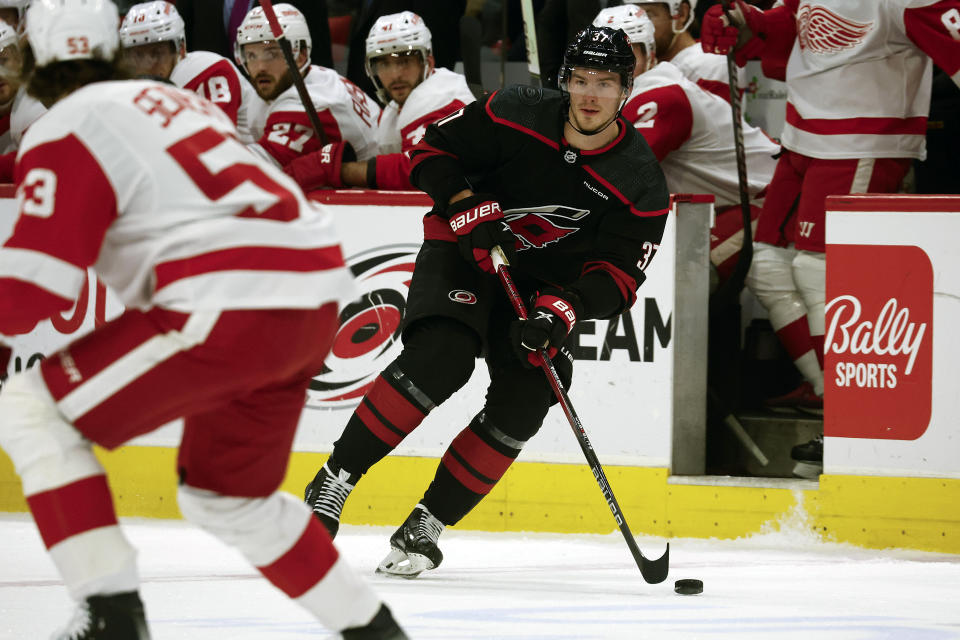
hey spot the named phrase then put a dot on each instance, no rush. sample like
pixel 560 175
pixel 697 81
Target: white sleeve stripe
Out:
pixel 45 271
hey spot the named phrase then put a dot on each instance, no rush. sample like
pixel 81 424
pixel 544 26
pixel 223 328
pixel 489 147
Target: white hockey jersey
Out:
pixel 691 132
pixel 442 93
pixel 707 70
pixel 345 112
pixel 859 74
pixel 218 80
pixel 148 184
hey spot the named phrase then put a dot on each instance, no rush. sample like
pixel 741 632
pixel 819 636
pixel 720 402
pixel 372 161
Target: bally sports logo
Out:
pixel 878 342
pixel 369 335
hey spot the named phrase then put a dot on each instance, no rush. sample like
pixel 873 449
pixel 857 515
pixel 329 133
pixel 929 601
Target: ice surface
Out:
pixel 499 585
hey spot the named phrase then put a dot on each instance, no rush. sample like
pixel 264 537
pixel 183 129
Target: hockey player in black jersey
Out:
pixel 571 192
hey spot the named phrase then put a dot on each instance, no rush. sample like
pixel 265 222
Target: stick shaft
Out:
pixel 287 49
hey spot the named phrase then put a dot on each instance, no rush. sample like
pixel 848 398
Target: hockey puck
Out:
pixel 688 587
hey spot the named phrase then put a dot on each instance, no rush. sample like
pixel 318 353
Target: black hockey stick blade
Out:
pixel 470 34
pixel 653 571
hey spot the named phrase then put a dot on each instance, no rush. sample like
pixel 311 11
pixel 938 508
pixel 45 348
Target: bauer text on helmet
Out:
pixel 255 28
pixel 60 30
pixel 633 21
pixel 152 35
pixel 399 55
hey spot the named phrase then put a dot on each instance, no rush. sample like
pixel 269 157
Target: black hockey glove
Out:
pixel 478 222
pixel 550 321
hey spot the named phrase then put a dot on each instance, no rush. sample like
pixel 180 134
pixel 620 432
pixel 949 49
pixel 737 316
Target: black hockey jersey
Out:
pixel 581 217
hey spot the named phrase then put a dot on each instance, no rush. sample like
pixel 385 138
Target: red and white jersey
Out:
pixel 23 113
pixel 345 112
pixel 859 74
pixel 707 70
pixel 218 80
pixel 442 93
pixel 148 184
pixel 691 133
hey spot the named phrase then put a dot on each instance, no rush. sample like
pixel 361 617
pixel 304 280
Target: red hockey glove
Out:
pixel 478 222
pixel 550 321
pixel 745 36
pixel 321 168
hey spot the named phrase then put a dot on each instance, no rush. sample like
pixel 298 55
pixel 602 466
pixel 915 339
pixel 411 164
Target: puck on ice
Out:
pixel 688 586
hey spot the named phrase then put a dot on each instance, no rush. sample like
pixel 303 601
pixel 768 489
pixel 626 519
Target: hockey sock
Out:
pixel 386 416
pixel 475 461
pixel 801 347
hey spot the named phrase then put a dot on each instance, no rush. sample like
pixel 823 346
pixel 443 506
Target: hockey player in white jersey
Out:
pixel 154 44
pixel 230 279
pixel 671 20
pixel 346 113
pixel 691 132
pixel 17 109
pixel 399 61
pixel 858 94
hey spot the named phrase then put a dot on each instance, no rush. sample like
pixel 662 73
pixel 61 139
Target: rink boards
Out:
pixel 636 384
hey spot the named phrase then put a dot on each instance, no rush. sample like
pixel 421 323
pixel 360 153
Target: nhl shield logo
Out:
pixel 570 156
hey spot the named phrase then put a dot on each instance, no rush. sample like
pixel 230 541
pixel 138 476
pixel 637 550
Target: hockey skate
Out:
pixel 115 617
pixel 413 547
pixel 327 492
pixel 809 459
pixel 382 627
pixel 802 398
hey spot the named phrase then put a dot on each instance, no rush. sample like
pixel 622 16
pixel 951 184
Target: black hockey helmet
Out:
pixel 600 48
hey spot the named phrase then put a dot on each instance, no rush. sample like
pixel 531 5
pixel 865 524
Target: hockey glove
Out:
pixel 548 325
pixel 745 36
pixel 478 222
pixel 321 168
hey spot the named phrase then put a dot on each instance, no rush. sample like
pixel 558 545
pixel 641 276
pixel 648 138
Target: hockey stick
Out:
pixel 530 38
pixel 653 571
pixel 729 291
pixel 294 70
pixel 470 35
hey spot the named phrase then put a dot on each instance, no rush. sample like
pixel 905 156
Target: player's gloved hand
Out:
pixel 746 36
pixel 479 224
pixel 321 168
pixel 550 321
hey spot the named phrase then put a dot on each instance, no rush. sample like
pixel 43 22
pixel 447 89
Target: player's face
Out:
pixel 155 59
pixel 267 68
pixel 595 97
pixel 399 73
pixel 641 56
pixel 11 64
pixel 659 14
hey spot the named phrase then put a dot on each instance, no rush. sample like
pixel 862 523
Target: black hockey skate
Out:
pixel 809 458
pixel 413 547
pixel 115 617
pixel 327 492
pixel 382 627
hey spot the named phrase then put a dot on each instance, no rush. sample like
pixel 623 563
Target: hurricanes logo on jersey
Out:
pixel 823 31
pixel 539 226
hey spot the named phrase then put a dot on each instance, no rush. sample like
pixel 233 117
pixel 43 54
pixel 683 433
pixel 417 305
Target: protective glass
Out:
pixel 395 61
pixel 593 82
pixel 269 54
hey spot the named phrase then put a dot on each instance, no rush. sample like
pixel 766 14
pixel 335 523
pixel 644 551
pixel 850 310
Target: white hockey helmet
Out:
pixel 634 22
pixel 255 28
pixel 674 6
pixel 397 33
pixel 61 30
pixel 156 21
